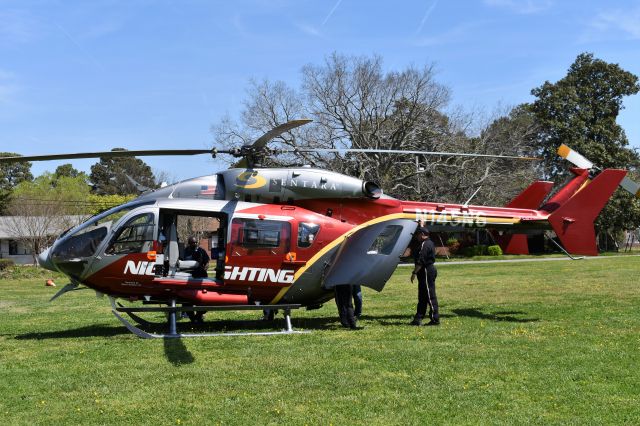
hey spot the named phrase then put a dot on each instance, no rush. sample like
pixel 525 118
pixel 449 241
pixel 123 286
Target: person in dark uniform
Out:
pixel 344 294
pixel 356 291
pixel 194 252
pixel 426 272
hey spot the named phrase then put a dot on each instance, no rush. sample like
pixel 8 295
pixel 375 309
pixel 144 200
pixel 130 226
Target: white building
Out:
pixel 10 245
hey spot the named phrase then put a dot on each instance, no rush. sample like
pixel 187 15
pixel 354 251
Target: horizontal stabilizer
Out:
pixel 533 196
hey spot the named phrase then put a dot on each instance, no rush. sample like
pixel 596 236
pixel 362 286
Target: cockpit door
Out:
pixel 370 255
pixel 86 248
pixel 132 239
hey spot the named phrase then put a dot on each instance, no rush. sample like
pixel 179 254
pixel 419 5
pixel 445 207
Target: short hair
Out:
pixel 191 240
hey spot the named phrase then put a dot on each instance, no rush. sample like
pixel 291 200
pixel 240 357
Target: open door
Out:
pixel 370 255
pixel 209 229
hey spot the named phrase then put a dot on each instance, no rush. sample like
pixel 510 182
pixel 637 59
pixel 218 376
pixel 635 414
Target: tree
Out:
pixel 11 174
pixel 66 170
pixel 580 110
pixel 510 132
pixel 356 104
pixel 99 203
pixel 111 176
pixel 42 209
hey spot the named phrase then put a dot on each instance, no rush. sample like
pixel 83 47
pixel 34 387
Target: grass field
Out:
pixel 543 343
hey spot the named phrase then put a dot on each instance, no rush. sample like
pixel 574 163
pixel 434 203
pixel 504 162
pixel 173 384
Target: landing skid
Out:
pixel 172 311
pixel 137 319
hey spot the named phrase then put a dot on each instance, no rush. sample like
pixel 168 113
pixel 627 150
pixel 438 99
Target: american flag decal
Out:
pixel 207 189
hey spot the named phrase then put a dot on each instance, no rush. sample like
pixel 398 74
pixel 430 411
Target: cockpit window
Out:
pixel 135 236
pixel 307 234
pixel 84 240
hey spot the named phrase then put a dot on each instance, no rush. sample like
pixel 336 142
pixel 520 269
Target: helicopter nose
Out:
pixel 44 260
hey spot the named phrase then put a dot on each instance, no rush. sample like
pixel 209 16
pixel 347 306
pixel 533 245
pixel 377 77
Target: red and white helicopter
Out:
pixel 282 238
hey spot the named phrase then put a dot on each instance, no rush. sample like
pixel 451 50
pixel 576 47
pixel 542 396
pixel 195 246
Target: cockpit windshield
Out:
pixel 84 240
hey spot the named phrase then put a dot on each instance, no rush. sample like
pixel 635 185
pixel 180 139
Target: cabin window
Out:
pixel 307 234
pixel 135 236
pixel 254 236
pixel 386 240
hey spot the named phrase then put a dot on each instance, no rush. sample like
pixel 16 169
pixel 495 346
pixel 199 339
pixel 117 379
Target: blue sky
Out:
pixel 93 75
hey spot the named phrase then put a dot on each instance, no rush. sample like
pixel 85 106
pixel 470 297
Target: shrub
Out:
pixel 494 251
pixel 454 245
pixel 6 263
pixel 475 251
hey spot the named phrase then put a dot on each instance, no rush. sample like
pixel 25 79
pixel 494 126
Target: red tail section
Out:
pixel 531 198
pixel 575 207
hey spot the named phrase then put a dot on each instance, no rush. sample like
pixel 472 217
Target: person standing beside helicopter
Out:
pixel 426 272
pixel 356 290
pixel 344 295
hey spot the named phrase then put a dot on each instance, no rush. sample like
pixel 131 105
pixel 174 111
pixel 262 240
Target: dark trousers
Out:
pixel 345 307
pixel 356 290
pixel 427 293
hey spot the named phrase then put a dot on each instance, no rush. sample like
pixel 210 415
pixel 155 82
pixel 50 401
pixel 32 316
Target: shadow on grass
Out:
pixel 88 331
pixel 493 316
pixel 469 312
pixel 258 325
pixel 177 353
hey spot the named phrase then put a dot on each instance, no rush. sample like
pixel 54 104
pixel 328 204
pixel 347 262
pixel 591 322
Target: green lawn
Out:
pixel 540 342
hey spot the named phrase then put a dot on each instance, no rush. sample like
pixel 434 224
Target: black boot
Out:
pixel 417 320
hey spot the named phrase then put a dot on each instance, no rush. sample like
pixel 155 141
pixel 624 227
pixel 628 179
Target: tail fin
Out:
pixel 576 206
pixel 531 198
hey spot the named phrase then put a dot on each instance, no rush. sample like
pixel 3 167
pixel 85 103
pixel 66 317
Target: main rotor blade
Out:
pixel 109 154
pixel 409 152
pixel 262 141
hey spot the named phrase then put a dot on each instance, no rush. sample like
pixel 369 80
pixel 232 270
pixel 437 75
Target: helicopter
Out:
pixel 283 238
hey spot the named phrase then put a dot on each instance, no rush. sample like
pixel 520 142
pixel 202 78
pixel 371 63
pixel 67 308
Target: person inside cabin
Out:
pixel 194 252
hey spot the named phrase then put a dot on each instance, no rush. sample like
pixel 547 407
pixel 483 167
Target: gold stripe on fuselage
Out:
pixel 412 216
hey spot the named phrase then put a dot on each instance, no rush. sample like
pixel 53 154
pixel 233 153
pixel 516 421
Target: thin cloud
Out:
pixel 457 34
pixel 426 16
pixel 104 28
pixel 521 7
pixel 618 21
pixel 8 88
pixel 17 26
pixel 308 29
pixel 240 27
pixel 82 51
pixel 331 12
